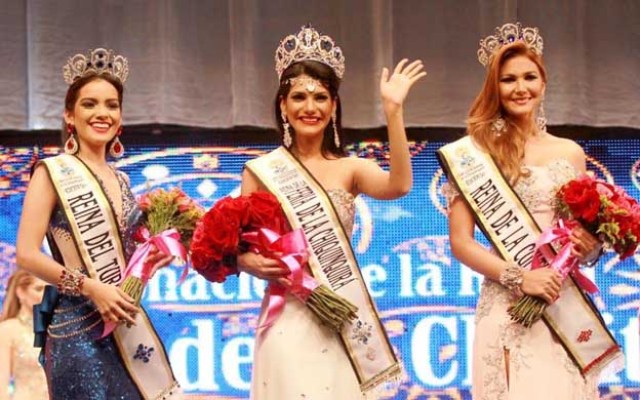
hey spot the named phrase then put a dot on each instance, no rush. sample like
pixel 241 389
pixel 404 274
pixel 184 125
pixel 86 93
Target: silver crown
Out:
pixel 507 34
pixel 309 45
pixel 97 61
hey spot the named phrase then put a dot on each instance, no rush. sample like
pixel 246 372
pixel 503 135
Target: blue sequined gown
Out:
pixel 76 364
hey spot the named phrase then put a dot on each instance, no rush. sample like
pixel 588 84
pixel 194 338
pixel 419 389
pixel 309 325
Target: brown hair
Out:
pixel 19 279
pixel 330 80
pixel 74 91
pixel 508 148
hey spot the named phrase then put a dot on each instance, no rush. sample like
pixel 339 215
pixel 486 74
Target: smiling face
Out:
pixel 521 87
pixel 308 106
pixel 96 113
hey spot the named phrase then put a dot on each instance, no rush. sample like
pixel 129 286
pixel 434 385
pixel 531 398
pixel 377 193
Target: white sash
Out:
pixel 331 261
pixel 95 231
pixel 507 224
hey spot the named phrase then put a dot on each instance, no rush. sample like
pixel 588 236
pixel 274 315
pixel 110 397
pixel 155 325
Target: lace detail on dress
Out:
pixel 531 350
pixel 344 204
pixel 555 174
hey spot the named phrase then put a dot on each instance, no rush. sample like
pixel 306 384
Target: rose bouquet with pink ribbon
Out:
pixel 604 210
pixel 169 219
pixel 257 223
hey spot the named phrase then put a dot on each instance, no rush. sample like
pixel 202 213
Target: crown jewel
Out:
pixel 309 45
pixel 97 61
pixel 507 34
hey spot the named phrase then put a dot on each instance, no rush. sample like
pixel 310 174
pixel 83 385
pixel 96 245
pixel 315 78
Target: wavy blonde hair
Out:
pixel 19 279
pixel 508 148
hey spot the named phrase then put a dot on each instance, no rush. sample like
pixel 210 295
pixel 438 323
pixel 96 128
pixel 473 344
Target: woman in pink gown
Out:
pixel 510 361
pixel 18 357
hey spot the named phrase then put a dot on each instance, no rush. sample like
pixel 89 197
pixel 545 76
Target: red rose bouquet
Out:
pixel 604 210
pixel 257 223
pixel 169 219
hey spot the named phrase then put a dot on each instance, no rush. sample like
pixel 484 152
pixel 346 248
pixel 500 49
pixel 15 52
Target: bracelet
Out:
pixel 511 276
pixel 70 283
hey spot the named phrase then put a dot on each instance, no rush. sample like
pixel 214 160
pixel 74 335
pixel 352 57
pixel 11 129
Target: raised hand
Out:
pixel 394 88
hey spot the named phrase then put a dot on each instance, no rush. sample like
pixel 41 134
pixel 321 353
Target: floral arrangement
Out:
pixel 169 219
pixel 604 210
pixel 257 223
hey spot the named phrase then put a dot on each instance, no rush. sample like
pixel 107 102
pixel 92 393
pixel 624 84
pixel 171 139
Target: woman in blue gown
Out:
pixel 86 210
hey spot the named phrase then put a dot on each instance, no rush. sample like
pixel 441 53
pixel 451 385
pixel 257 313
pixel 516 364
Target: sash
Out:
pixel 96 235
pixel 331 261
pixel 512 231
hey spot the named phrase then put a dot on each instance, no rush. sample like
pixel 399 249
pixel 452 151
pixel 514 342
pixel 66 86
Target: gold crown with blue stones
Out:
pixel 309 45
pixel 507 34
pixel 96 61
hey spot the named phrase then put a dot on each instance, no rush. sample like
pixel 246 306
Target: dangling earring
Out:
pixel 286 137
pixel 71 145
pixel 541 120
pixel 336 137
pixel 498 126
pixel 116 149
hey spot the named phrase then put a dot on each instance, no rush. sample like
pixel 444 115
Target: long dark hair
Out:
pixel 74 91
pixel 330 80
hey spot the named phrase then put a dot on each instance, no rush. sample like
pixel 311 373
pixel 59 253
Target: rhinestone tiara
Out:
pixel 97 61
pixel 507 34
pixel 309 45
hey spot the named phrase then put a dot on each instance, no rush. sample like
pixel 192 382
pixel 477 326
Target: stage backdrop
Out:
pixel 426 298
pixel 210 63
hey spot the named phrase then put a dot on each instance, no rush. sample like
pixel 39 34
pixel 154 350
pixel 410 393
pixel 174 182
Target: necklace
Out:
pixel 25 320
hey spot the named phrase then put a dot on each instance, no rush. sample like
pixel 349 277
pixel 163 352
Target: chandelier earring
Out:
pixel 499 126
pixel 336 137
pixel 71 144
pixel 116 149
pixel 286 137
pixel 541 119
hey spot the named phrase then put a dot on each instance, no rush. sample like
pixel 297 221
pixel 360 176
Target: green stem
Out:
pixel 332 309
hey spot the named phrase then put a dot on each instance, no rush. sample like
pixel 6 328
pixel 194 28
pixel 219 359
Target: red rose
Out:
pixel 582 198
pixel 266 212
pixel 217 236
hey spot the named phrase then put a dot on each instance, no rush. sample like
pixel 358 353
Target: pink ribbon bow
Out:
pixel 168 243
pixel 291 250
pixel 564 262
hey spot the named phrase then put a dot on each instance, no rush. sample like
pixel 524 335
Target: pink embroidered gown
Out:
pixel 539 367
pixel 297 358
pixel 29 380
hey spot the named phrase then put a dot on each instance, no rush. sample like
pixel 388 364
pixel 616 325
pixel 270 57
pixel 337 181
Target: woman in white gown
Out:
pixel 297 357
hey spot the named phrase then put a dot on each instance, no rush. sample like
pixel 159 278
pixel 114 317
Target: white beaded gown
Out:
pixel 297 358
